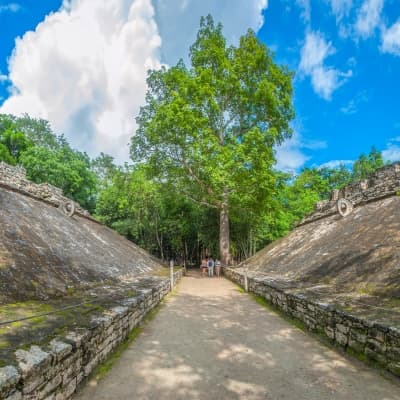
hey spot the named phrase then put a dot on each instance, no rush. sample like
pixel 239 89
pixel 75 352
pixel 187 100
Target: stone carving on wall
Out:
pixel 344 207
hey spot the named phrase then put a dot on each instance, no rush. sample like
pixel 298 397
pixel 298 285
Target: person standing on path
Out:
pixel 210 266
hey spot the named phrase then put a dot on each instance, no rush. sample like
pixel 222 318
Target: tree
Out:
pixel 366 165
pixel 210 128
pixel 65 168
pixel 13 142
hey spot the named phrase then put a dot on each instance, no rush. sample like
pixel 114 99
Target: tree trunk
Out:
pixel 224 233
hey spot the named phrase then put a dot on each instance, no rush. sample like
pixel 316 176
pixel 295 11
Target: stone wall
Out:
pixel 383 183
pixel 368 340
pixel 14 178
pixel 55 371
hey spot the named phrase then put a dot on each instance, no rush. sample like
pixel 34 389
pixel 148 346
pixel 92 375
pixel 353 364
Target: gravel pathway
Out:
pixel 211 342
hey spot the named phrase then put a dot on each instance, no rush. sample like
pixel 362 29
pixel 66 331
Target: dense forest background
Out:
pixel 155 215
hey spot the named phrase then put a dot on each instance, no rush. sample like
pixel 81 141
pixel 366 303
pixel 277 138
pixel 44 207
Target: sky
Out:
pixel 82 64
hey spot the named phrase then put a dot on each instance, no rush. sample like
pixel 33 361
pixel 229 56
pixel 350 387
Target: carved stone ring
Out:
pixel 344 207
pixel 68 208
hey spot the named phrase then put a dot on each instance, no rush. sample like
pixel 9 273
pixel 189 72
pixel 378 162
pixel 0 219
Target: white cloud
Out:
pixel 368 18
pixel 84 67
pixel 391 153
pixel 341 8
pixel 324 79
pixel 178 22
pixel 290 154
pixel 336 163
pixel 391 39
pixel 84 70
pixel 10 7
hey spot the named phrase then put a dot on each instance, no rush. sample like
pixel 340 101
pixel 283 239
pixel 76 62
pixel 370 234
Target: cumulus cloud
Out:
pixel 324 79
pixel 368 18
pixel 391 39
pixel 84 67
pixel 290 154
pixel 84 70
pixel 178 21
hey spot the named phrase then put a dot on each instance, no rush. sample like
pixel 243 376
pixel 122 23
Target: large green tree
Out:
pixel 210 128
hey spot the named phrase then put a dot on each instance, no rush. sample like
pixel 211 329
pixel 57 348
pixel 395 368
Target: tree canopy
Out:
pixel 47 158
pixel 210 128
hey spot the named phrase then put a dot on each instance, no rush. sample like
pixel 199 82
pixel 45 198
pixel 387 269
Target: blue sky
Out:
pixel 82 66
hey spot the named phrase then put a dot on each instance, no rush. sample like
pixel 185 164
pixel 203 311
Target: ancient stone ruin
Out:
pixel 338 271
pixel 383 183
pixel 71 289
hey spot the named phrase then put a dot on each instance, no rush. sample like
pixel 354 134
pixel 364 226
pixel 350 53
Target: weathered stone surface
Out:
pixel 17 395
pixel 30 362
pixel 55 375
pixel 9 377
pixel 44 253
pixel 60 349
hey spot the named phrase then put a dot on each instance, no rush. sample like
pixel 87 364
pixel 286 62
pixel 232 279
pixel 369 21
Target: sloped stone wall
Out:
pixel 375 342
pixel 383 183
pixel 14 178
pixel 54 372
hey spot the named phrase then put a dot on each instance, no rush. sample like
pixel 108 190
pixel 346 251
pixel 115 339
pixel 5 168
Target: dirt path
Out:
pixel 212 342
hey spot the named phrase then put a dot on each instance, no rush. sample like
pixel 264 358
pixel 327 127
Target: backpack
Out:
pixel 210 263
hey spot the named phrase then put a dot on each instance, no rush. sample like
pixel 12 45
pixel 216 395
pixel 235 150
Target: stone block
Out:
pixel 356 345
pixel 359 335
pixel 9 377
pixel 76 338
pixel 67 391
pixel 60 350
pixel 50 386
pixel 342 328
pixel 34 365
pixel 341 338
pixel 377 332
pixel 393 353
pixel 376 346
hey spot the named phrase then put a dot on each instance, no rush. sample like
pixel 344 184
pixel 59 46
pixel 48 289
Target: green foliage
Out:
pixel 13 142
pixel 47 158
pixel 63 167
pixel 366 165
pixel 209 129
